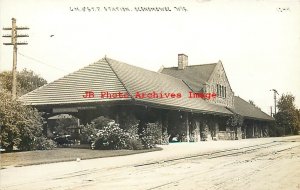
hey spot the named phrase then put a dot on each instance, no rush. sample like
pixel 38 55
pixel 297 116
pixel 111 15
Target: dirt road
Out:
pixel 272 163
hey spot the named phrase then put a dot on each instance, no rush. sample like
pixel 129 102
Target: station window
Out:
pixel 222 91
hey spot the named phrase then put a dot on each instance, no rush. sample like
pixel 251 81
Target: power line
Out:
pixel 36 60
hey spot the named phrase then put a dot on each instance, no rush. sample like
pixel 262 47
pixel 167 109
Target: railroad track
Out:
pixel 163 163
pixel 224 153
pixel 90 175
pixel 216 154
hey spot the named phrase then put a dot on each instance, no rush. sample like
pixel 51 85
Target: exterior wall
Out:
pixel 239 133
pixel 219 77
pixel 255 129
pixel 216 137
pixel 195 135
pixel 265 130
pixel 201 127
pixel 226 135
pixel 206 132
pixel 210 129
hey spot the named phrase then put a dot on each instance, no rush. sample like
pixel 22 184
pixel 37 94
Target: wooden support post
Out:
pixel 160 123
pixel 78 125
pixel 165 128
pixel 117 110
pixel 45 124
pixel 198 131
pixel 45 128
pixel 207 131
pixel 167 122
pixel 216 137
pixel 187 128
pixel 117 117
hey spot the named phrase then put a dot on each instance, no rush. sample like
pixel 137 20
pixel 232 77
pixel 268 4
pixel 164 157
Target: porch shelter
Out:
pixel 256 122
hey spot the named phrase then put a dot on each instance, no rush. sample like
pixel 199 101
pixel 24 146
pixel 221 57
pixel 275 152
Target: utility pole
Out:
pixel 275 92
pixel 271 111
pixel 14 36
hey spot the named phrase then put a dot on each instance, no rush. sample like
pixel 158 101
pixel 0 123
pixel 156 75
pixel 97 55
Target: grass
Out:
pixel 19 159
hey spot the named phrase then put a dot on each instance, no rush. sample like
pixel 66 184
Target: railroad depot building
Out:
pixel 193 101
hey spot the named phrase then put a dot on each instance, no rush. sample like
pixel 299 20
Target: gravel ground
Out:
pixel 275 165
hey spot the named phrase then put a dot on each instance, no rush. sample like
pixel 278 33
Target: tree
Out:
pixel 287 121
pixel 27 81
pixel 19 125
pixel 298 116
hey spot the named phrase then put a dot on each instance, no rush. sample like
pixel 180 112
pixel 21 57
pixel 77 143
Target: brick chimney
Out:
pixel 182 61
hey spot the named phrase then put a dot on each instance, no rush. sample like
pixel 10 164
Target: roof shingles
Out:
pixel 139 80
pixel 247 110
pixel 195 75
pixel 108 75
pixel 96 77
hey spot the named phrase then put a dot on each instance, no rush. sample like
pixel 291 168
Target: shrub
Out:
pixel 101 122
pixel 129 122
pixel 134 144
pixel 275 130
pixel 151 135
pixel 62 125
pixel 88 133
pixel 42 143
pixel 111 137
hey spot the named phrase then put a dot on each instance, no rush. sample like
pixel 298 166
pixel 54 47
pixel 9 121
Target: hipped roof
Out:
pixel 115 76
pixel 248 110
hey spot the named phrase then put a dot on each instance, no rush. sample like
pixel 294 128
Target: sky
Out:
pixel 258 41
